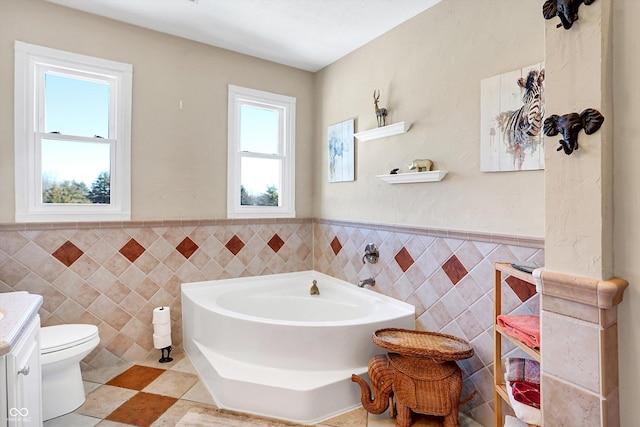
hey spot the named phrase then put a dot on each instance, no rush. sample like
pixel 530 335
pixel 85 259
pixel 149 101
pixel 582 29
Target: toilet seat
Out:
pixel 61 337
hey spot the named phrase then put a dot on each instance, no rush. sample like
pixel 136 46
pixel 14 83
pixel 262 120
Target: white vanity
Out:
pixel 20 376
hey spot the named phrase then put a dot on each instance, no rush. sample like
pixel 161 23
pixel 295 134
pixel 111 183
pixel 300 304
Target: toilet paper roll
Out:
pixel 161 341
pixel 161 315
pixel 162 329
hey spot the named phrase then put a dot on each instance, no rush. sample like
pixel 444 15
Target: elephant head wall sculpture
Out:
pixel 566 10
pixel 570 125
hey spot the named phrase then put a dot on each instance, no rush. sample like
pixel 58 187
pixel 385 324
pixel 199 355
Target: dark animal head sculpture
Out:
pixel 570 125
pixel 566 10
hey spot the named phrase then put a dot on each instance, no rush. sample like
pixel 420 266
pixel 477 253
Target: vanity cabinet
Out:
pixel 21 393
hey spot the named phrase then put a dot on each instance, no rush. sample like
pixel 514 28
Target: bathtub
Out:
pixel 265 346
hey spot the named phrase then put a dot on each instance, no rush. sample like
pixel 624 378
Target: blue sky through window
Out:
pixel 259 133
pixel 77 107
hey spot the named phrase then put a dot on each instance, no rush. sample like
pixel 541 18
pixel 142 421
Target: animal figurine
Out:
pixel 394 171
pixel 570 125
pixel 422 165
pixel 381 113
pixel 413 386
pixel 566 10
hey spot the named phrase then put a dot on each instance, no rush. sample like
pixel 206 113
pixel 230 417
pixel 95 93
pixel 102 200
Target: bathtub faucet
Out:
pixel 370 281
pixel 314 288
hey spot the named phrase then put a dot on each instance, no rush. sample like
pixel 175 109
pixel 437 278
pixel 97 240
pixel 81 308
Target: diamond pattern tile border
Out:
pixel 275 243
pixel 522 289
pixel 336 246
pixel 454 269
pixel 68 253
pixel 187 247
pixel 404 259
pixel 235 245
pixel 132 250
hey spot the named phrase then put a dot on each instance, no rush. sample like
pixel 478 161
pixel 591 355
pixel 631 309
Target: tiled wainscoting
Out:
pixel 446 275
pixel 113 275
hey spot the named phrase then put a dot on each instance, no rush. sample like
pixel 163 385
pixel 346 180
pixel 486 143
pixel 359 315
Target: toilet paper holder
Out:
pixel 162 316
pixel 163 358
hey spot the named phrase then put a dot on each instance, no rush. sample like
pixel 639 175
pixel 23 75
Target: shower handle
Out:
pixel 371 254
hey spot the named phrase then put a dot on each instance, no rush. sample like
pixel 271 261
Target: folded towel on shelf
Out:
pixel 524 327
pixel 526 393
pixel 521 369
pixel 526 413
pixel 510 421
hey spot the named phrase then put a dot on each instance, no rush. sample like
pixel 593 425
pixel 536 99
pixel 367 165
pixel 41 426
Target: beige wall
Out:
pixel 179 157
pixel 626 193
pixel 579 187
pixel 428 71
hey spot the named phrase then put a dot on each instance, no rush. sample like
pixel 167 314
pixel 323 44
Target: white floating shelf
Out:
pixel 411 177
pixel 384 131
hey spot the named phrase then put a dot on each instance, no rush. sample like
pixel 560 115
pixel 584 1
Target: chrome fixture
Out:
pixel 371 254
pixel 370 281
pixel 314 288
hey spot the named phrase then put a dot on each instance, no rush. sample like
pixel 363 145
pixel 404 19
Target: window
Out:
pixel 261 154
pixel 72 136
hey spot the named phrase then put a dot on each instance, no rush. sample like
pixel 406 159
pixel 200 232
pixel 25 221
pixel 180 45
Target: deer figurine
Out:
pixel 381 113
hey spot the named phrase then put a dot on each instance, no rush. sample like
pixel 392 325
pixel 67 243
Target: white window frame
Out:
pixel 239 96
pixel 31 62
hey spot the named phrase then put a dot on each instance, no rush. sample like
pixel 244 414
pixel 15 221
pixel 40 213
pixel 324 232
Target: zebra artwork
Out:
pixel 520 127
pixel 513 120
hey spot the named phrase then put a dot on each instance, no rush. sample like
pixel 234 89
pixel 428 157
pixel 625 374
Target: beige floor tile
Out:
pixel 154 360
pixel 90 386
pixel 355 418
pixel 381 420
pixel 384 420
pixel 102 375
pixel 104 400
pixel 223 418
pixel 199 393
pixel 107 423
pixel 185 366
pixel 172 383
pixel 72 419
pixel 171 417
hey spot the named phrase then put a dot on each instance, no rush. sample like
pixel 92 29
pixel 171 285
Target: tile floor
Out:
pixel 153 394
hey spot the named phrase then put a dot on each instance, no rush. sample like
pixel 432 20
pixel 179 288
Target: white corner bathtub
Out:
pixel 264 345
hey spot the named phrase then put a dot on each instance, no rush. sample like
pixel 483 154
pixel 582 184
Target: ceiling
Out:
pixel 306 34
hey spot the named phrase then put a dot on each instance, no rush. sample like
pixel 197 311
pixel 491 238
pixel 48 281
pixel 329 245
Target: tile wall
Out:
pixel 113 275
pixel 448 276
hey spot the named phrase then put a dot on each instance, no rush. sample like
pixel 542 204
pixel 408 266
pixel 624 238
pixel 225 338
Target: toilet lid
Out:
pixel 59 337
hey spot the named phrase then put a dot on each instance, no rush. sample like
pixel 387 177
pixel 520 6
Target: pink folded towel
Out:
pixel 525 327
pixel 520 369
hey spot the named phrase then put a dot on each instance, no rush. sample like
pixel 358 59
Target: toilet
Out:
pixel 62 347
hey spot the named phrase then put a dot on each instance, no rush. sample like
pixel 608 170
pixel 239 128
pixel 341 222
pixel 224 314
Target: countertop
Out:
pixel 18 308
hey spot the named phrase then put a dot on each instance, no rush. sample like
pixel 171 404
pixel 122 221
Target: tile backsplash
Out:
pixel 113 275
pixel 448 276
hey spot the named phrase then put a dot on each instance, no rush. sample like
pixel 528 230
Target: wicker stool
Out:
pixel 420 372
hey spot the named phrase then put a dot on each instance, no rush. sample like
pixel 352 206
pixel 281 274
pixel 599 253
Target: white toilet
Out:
pixel 62 347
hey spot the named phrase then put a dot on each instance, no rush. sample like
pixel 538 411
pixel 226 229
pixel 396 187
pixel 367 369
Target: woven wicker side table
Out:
pixel 419 372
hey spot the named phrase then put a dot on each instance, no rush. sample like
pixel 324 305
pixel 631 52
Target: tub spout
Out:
pixel 370 281
pixel 314 288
